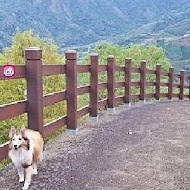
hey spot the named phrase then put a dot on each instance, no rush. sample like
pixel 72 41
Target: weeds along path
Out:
pixel 144 147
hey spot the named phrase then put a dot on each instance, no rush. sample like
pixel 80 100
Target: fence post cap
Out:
pixel 128 60
pixel 94 54
pixel 33 53
pixel 143 63
pixel 33 48
pixel 158 66
pixel 94 57
pixel 71 54
pixel 110 56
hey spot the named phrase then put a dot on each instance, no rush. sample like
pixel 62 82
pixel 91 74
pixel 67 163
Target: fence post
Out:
pixel 170 85
pixel 110 74
pixel 71 91
pixel 181 88
pixel 143 80
pixel 189 85
pixel 94 87
pixel 127 97
pixel 33 56
pixel 158 75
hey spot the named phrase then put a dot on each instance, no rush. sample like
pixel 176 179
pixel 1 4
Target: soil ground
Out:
pixel 144 147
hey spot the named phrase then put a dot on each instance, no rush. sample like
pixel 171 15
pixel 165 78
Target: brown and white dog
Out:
pixel 25 150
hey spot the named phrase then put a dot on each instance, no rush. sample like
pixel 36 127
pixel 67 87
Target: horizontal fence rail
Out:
pixel 33 72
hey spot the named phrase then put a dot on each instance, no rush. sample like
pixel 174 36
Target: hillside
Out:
pixel 80 22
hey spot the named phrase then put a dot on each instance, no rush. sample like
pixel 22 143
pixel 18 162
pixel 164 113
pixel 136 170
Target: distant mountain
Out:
pixel 80 22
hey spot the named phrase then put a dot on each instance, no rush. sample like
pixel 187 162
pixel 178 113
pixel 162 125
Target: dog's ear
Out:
pixel 12 132
pixel 23 132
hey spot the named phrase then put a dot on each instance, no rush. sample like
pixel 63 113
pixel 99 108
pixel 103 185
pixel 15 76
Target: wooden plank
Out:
pixel 186 87
pixel 177 75
pixel 49 128
pixel 164 84
pixel 182 81
pixel 19 72
pixel 164 74
pixel 176 85
pixel 119 99
pixel 186 96
pixel 135 83
pixel 94 87
pixel 14 109
pixel 83 68
pixel 83 111
pixel 53 69
pixel 142 80
pixel 152 95
pixel 175 95
pixel 71 94
pixel 170 83
pixel 102 103
pixel 119 84
pixel 135 96
pixel 164 95
pixel 33 58
pixel 158 79
pixel 83 89
pixel 102 86
pixel 4 150
pixel 119 68
pixel 102 68
pixel 111 81
pixel 127 83
pixel 135 70
pixel 53 98
pixel 150 83
pixel 150 71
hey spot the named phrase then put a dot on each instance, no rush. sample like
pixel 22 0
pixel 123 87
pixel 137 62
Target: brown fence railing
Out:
pixel 33 71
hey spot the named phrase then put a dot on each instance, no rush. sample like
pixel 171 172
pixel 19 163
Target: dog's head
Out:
pixel 18 139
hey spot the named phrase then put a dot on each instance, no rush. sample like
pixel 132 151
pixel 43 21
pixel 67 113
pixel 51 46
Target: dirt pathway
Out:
pixel 145 147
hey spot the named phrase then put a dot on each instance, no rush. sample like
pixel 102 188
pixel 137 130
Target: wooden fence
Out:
pixel 33 71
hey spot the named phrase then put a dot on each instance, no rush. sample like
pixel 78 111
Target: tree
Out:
pixel 15 90
pixel 151 53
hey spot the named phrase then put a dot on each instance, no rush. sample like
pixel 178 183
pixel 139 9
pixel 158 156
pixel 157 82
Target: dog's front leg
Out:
pixel 35 170
pixel 28 178
pixel 21 173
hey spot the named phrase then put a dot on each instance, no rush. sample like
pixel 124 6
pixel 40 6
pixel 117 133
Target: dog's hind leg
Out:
pixel 21 173
pixel 36 160
pixel 29 173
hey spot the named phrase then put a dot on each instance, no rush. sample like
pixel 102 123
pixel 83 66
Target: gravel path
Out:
pixel 144 147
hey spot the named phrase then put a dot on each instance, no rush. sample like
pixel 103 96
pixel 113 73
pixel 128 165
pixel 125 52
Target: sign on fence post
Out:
pixel 8 70
pixel 71 93
pixel 33 56
pixel 94 87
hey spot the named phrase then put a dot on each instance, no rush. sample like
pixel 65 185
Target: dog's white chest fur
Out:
pixel 20 156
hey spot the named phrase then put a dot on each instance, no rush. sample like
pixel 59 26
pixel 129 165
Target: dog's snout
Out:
pixel 15 146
